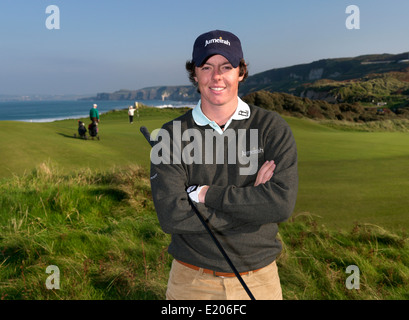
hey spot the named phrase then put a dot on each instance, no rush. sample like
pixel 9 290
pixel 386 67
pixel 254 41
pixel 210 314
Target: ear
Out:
pixel 241 77
pixel 195 74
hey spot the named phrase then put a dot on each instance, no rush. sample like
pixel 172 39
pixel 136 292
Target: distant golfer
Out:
pixel 94 114
pixel 131 112
pixel 243 209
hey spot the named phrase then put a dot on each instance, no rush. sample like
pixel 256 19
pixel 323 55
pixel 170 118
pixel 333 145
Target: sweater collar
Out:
pixel 242 112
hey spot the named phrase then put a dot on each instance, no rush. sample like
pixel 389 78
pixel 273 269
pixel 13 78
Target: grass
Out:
pixel 314 261
pixel 346 175
pixel 351 176
pixel 27 145
pixel 86 207
pixel 100 229
pixel 401 125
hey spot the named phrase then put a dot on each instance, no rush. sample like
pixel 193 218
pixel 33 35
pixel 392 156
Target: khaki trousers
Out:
pixel 189 284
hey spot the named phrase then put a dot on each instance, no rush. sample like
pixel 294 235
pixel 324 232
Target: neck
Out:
pixel 219 113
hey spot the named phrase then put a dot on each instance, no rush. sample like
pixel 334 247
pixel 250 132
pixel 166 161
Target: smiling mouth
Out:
pixel 217 89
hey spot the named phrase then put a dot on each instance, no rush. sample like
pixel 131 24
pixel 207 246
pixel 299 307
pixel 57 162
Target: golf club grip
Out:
pixel 147 135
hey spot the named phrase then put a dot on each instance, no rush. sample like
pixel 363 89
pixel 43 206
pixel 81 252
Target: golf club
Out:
pixel 147 136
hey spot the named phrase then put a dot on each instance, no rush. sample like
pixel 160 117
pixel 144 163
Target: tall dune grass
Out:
pixel 98 228
pixel 315 260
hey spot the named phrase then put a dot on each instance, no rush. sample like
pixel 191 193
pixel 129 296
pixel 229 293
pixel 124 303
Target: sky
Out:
pixel 105 46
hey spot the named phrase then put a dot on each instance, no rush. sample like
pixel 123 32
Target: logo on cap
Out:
pixel 220 40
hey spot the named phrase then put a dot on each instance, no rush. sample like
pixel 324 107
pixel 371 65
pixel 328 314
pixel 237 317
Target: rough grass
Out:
pixel 401 125
pixel 101 230
pixel 314 261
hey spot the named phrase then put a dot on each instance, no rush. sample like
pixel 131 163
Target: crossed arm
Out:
pixel 264 174
pixel 269 198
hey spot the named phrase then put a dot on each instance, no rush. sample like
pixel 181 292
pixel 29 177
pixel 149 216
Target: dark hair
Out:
pixel 190 68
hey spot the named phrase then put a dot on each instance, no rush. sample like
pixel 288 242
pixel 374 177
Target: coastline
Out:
pixel 50 111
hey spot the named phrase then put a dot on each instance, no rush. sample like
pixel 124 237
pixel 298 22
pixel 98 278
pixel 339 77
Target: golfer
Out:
pixel 241 205
pixel 131 112
pixel 94 114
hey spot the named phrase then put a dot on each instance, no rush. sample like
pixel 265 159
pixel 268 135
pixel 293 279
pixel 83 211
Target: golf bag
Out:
pixel 93 129
pixel 82 131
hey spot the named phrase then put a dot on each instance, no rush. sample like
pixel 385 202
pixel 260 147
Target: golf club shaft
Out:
pixel 219 246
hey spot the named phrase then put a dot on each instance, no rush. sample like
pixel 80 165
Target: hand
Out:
pixel 197 193
pixel 202 194
pixel 265 173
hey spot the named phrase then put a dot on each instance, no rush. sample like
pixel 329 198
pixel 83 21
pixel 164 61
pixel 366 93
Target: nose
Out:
pixel 217 74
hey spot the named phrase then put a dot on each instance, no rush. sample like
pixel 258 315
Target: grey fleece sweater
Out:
pixel 243 217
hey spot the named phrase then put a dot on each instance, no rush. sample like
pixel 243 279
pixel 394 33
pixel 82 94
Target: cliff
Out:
pixel 175 93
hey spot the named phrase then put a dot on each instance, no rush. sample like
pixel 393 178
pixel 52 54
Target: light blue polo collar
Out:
pixel 242 112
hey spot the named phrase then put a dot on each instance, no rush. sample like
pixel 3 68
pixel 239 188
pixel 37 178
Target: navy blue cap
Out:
pixel 217 42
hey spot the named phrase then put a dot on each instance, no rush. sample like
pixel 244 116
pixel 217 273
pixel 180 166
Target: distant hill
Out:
pixel 297 79
pixel 174 93
pixel 392 87
pixel 288 104
pixel 375 78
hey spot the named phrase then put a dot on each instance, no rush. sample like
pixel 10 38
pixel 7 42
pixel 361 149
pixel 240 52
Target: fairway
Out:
pixel 345 177
pixel 27 145
pixel 350 177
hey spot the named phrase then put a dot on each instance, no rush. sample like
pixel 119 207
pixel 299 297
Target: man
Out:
pixel 94 114
pixel 131 112
pixel 241 205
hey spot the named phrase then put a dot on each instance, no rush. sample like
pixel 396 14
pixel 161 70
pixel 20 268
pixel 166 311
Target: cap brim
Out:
pixel 201 60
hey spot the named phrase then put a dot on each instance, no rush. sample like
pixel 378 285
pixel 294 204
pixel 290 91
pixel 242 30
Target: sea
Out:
pixel 49 111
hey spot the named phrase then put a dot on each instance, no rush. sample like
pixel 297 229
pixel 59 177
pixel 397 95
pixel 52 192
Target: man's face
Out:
pixel 218 81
